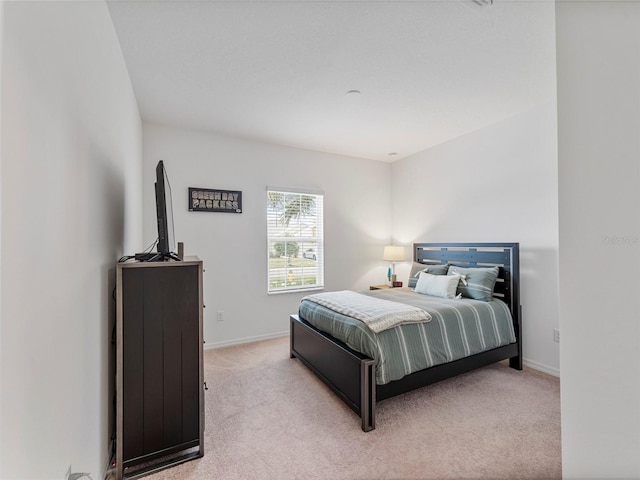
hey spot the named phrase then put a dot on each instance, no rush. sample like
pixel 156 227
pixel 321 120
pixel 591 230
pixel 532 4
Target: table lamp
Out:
pixel 393 254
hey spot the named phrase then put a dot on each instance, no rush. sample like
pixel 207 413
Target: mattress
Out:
pixel 458 328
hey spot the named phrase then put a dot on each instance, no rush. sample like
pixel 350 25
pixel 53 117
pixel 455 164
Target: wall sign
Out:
pixel 210 200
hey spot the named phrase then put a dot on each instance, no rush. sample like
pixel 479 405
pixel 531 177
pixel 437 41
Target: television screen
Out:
pixel 164 210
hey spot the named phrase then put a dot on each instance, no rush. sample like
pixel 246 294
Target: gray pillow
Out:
pixel 421 267
pixel 480 281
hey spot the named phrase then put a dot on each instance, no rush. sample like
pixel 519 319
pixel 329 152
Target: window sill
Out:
pixel 295 290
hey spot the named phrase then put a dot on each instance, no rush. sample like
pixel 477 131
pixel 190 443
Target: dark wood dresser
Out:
pixel 159 371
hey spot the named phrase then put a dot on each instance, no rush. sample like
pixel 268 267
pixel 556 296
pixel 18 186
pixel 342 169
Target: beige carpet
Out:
pixel 268 417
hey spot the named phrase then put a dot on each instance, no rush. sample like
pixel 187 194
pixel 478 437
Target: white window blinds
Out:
pixel 295 243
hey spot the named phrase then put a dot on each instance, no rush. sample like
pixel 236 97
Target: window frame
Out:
pixel 315 237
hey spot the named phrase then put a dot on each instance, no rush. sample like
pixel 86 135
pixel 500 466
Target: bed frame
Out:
pixel 351 375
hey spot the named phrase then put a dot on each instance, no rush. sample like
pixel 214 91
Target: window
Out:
pixel 294 240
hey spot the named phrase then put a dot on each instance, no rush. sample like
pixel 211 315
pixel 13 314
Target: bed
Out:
pixel 361 379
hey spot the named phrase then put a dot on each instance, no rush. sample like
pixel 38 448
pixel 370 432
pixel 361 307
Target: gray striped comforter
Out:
pixel 458 328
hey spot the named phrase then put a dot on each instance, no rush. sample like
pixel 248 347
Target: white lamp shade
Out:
pixel 393 253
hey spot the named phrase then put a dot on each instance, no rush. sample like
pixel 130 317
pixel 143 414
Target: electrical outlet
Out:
pixel 220 316
pixel 556 335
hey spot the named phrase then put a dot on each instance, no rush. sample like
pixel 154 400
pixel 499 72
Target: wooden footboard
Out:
pixel 348 373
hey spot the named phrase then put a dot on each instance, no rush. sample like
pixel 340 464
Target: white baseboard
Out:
pixel 542 368
pixel 240 341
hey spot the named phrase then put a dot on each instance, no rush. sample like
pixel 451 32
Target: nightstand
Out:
pixel 379 287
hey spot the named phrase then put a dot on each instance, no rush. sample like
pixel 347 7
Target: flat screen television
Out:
pixel 164 214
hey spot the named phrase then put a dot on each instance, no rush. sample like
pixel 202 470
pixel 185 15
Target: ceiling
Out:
pixel 279 71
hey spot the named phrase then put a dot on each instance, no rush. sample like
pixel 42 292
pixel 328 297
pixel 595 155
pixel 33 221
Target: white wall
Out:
pixel 1 62
pixel 71 204
pixel 233 247
pixel 498 184
pixel 598 54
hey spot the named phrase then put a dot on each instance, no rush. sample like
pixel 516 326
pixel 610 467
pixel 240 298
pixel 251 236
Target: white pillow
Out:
pixel 437 285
